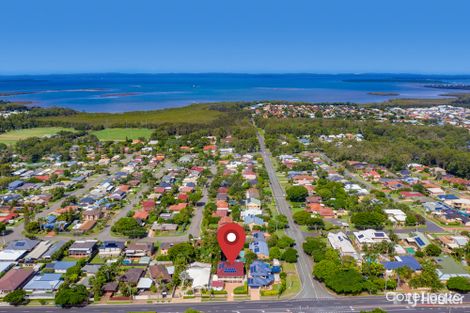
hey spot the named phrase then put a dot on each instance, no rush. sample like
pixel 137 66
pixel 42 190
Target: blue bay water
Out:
pixel 133 92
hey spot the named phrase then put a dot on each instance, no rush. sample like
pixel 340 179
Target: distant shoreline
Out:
pixel 385 94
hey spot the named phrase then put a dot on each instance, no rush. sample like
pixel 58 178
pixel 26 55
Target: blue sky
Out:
pixel 252 36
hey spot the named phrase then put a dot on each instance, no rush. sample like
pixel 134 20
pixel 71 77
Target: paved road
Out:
pixel 343 305
pixel 105 234
pixel 310 287
pixel 195 227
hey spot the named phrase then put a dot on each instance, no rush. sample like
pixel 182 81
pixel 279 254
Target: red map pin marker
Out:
pixel 231 238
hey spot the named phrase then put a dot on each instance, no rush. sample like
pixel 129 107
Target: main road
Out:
pixel 310 287
pixel 340 305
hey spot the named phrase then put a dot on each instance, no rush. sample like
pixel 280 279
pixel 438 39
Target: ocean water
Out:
pixel 133 92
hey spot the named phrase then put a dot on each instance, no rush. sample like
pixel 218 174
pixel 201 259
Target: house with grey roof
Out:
pixel 22 244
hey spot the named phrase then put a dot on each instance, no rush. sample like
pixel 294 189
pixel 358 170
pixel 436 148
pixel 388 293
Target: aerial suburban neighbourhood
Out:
pixel 234 156
pixel 325 212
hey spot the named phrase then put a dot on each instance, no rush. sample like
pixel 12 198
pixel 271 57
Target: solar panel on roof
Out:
pixel 379 234
pixel 419 241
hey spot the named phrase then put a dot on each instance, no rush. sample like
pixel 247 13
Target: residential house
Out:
pixel 231 271
pixel 341 243
pixel 82 248
pixel 47 282
pixel 139 249
pixel 260 274
pixel 370 236
pixel 159 273
pixel 132 276
pixel 259 246
pixel 402 261
pixel 200 274
pixel 111 248
pixel 396 216
pixel 15 279
pixel 60 267
pixel 448 267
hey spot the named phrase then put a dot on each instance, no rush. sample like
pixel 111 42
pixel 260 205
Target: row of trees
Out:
pixel 391 145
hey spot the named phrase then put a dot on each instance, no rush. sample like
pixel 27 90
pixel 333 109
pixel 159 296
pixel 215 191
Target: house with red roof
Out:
pixel 148 205
pixel 42 178
pixel 222 205
pixel 411 194
pixel 249 175
pixel 231 272
pixel 183 197
pixel 178 207
pixel 210 148
pixel 159 189
pixel 8 217
pixel 303 179
pixel 141 215
pixel 123 188
pixel 372 175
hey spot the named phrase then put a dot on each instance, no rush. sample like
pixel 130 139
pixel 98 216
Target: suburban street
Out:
pixel 430 225
pixel 340 305
pixel 17 232
pixel 310 287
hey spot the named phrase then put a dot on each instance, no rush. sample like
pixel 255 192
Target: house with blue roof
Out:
pixel 61 266
pixel 447 197
pixel 402 261
pixel 258 236
pixel 253 220
pixel 15 184
pixel 260 274
pixel 260 248
pixel 44 282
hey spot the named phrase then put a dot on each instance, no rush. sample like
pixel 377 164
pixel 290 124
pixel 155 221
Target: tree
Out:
pixel 285 241
pixel 3 227
pixel 191 310
pixel 16 297
pixel 182 251
pixel 275 253
pixel 71 295
pixel 32 227
pixel 290 255
pixel 325 269
pixel 129 227
pixel 302 217
pixel 297 193
pixel 347 281
pixel 250 256
pixel 315 247
pixel 433 250
pixel 364 220
pixel 459 283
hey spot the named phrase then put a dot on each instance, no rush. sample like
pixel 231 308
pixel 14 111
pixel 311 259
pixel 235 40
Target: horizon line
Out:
pixel 234 73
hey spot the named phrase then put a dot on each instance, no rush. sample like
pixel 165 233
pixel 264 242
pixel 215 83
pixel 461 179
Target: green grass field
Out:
pixel 194 114
pixel 13 136
pixel 120 134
